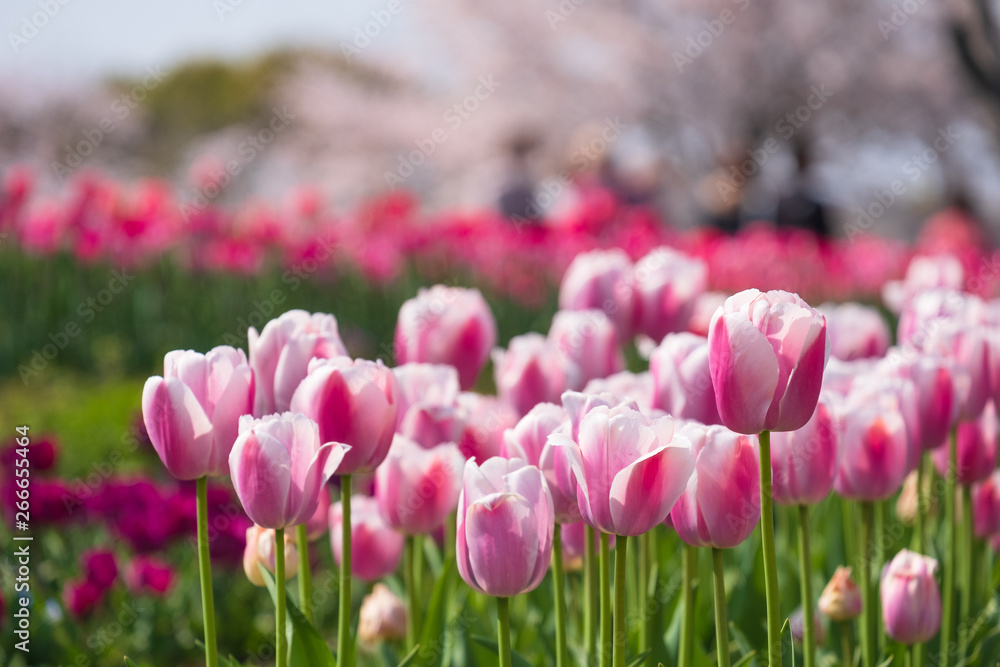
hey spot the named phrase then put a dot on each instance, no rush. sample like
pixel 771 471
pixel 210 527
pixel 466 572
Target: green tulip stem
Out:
pixel 620 631
pixel 948 607
pixel 868 619
pixel 205 573
pixel 305 575
pixel 805 574
pixel 689 557
pixel 590 599
pixel 281 647
pixel 503 632
pixel 605 589
pixel 344 653
pixel 721 625
pixel 770 559
pixel 559 590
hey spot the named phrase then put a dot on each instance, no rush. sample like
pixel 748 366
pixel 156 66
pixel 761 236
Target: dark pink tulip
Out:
pixel 924 273
pixel 682 381
pixel 911 600
pixel 895 394
pixel 873 451
pixel 666 284
pixel 376 548
pixel 146 574
pixel 505 526
pixel 767 352
pixel 100 568
pixel 281 353
pixel 589 342
pixel 192 413
pixel 318 523
pixel 986 506
pixel 486 419
pixel 418 488
pixel 720 506
pixel 938 391
pixel 278 466
pixel 601 279
pixel 804 462
pixel 354 403
pixel 447 325
pixel 630 470
pixel 976 451
pixel 856 331
pixel 81 597
pixel 529 372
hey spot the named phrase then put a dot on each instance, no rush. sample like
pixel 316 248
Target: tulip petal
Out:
pixel 260 468
pixel 643 493
pixel 178 427
pixel 744 372
pixel 503 543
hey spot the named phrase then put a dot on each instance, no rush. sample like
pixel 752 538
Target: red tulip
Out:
pixel 146 574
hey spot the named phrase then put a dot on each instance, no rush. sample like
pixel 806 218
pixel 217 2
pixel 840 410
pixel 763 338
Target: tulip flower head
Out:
pixel 682 381
pixel 665 284
pixel 986 506
pixel 804 462
pixel 261 548
pixel 841 598
pixel 911 600
pixel 382 616
pixel 589 343
pixel 376 548
pixel 417 488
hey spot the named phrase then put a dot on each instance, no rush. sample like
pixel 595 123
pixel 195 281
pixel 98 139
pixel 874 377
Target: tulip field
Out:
pixel 286 435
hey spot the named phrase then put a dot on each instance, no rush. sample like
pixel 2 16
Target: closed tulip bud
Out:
pixel 446 325
pixel 976 449
pixel 261 549
pixel 666 284
pixel 505 527
pixel 721 504
pixel 428 411
pixel 874 451
pixel 192 413
pixel 856 331
pixel 278 466
pixel 418 488
pixel 588 341
pixel 937 388
pixel 577 404
pixel 911 600
pixel 804 462
pixel 354 403
pixel 382 616
pixel 986 506
pixel 376 548
pixel 529 372
pixel 796 623
pixel 319 522
pixel 281 352
pixel 968 345
pixel 486 419
pixel 601 279
pixel 841 599
pixel 766 352
pixel 629 470
pixel 682 381
pixel 908 502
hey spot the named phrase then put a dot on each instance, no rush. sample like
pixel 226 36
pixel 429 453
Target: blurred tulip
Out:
pixel 529 372
pixel 907 504
pixel 804 462
pixel 767 352
pixel 796 624
pixel 147 574
pixel 911 600
pixel 81 597
pixel 446 325
pixel 319 522
pixel 897 394
pixel 938 391
pixel 528 437
pixel 969 346
pixel 873 452
pixel 839 376
pixel 720 506
pixel 600 279
pixel 574 540
pixel 682 381
pixel 986 506
pixel 505 527
pixel 354 404
pixel 703 311
pixel 261 548
pixel 486 419
pixel 281 353
pixel 279 465
pixel 192 413
pixel 629 470
pixel 382 616
pixel 665 284
pixel 418 488
pixel 636 387
pixel 841 599
pixel 100 568
pixel 428 411
pixel 856 331
pixel 976 449
pixel 588 341
pixel 577 404
pixel 924 273
pixel 376 548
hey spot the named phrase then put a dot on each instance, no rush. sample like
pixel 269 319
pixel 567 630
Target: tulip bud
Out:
pixel 986 506
pixel 588 341
pixel 804 462
pixel 874 451
pixel 976 449
pixel 376 548
pixel 856 331
pixel 682 381
pixel 529 372
pixel 911 600
pixel 797 624
pixel 382 616
pixel 841 599
pixel 418 488
pixel 601 279
pixel 261 549
pixel 665 285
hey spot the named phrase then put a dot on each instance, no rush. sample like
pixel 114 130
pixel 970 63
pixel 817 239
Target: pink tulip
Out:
pixel 666 284
pixel 841 598
pixel 937 387
pixel 895 394
pixel 911 600
pixel 486 419
pixel 446 325
pixel 720 506
pixel 976 449
pixel 970 347
pixel 319 522
pixel 797 626
pixel 629 469
pixel 635 387
pixel 918 321
pixel 767 352
pixel 281 353
pixel 574 541
pixel 418 488
pixel 278 466
pixel 703 311
pixel 354 403
pixel 376 548
pixel 505 526
pixel 578 404
pixel 192 413
pixel 856 331
pixel 428 404
pixel 589 342
pixel 600 279
pixel 986 506
pixel 923 274
pixel 261 549
pixel 873 451
pixel 529 372
pixel 804 462
pixel 382 616
pixel 682 381
pixel 839 376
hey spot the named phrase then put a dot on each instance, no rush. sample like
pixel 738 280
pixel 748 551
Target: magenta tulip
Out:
pixel 804 462
pixel 986 506
pixel 446 325
pixel 278 466
pixel 976 449
pixel 281 353
pixel 192 413
pixel 766 352
pixel 505 527
pixel 601 279
pixel 911 600
pixel 418 488
pixel 354 403
pixel 376 548
pixel 856 331
pixel 666 284
pixel 589 342
pixel 630 470
pixel 529 372
pixel 682 381
pixel 874 451
pixel 720 505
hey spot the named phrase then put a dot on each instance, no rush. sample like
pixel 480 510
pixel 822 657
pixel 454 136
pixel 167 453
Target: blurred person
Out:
pixel 800 207
pixel 517 197
pixel 720 194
